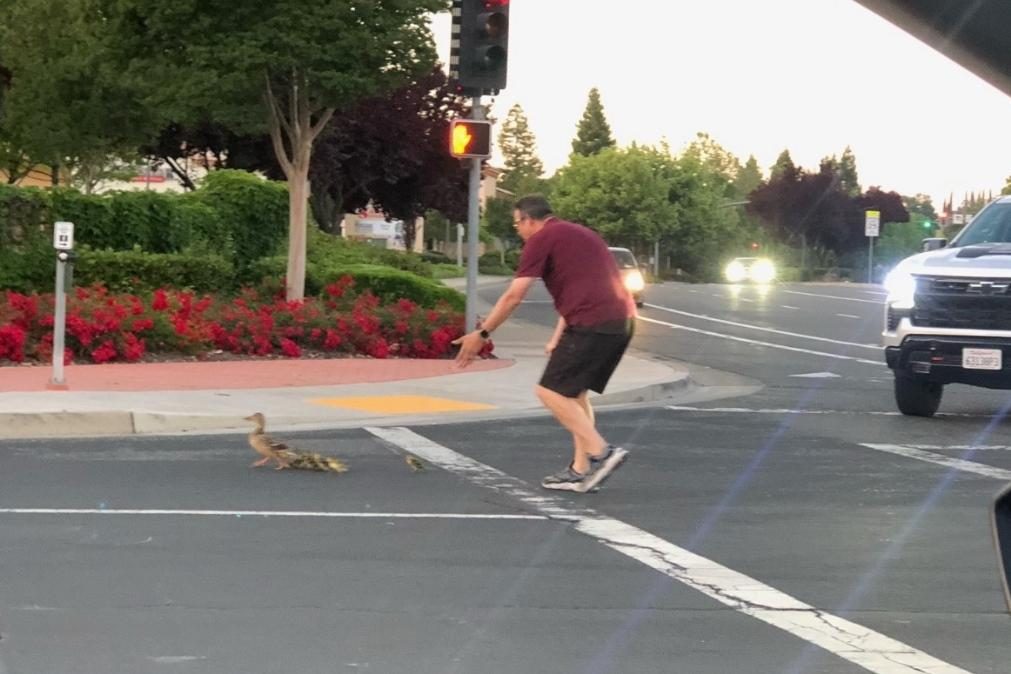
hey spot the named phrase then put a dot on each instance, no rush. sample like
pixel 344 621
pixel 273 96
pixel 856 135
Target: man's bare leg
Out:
pixel 588 450
pixel 576 416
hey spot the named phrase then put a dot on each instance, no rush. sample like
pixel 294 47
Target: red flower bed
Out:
pixel 103 327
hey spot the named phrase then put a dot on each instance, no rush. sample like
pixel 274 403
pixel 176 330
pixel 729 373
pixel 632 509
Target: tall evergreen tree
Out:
pixel 848 173
pixel 593 133
pixel 784 166
pixel 748 178
pixel 523 168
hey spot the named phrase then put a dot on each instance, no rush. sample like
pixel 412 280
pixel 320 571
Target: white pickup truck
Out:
pixel 948 313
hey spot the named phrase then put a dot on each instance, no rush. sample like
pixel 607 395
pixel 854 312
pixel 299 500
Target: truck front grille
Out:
pixel 968 303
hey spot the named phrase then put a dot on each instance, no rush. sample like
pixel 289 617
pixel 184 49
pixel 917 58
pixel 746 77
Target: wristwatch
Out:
pixel 485 335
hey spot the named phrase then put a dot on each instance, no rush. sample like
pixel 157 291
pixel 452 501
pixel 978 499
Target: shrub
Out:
pixel 251 211
pixel 435 257
pixel 386 283
pixel 24 217
pixel 94 224
pixel 138 271
pixel 389 285
pixel 31 266
pixel 328 250
pixel 106 327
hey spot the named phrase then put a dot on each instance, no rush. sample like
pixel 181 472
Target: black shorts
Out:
pixel 584 360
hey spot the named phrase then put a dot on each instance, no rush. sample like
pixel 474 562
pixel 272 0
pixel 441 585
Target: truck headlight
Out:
pixel 763 271
pixel 634 281
pixel 901 287
pixel 735 272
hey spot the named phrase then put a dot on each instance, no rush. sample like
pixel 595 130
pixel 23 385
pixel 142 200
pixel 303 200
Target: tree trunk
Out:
pixel 298 199
pixel 294 123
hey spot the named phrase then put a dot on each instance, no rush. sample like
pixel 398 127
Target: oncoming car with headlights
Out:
pixel 631 275
pixel 948 313
pixel 750 270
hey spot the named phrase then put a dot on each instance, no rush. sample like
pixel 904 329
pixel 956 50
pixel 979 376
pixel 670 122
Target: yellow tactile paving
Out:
pixel 401 404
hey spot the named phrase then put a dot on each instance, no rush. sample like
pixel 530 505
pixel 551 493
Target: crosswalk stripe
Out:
pixel 871 650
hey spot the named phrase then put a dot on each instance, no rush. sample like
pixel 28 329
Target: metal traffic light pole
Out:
pixel 473 226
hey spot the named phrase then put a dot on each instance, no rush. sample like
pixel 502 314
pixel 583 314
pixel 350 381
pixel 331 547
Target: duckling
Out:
pixel 285 456
pixel 416 464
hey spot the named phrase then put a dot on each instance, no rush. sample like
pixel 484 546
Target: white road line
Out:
pixel 962 448
pixel 773 410
pixel 871 650
pixel 760 328
pixel 264 513
pixel 771 345
pixel 941 460
pixel 787 306
pixel 784 410
pixel 849 316
pixel 833 297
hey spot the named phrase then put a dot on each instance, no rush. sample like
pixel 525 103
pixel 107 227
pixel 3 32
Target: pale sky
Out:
pixel 759 76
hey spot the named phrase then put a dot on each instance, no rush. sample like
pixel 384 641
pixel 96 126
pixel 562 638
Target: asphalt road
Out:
pixel 804 527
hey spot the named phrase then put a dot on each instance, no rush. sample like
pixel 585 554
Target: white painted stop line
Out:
pixel 871 650
pixel 942 460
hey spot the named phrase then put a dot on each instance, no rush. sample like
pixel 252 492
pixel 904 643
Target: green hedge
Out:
pixel 326 249
pixel 251 211
pixel 29 267
pixel 233 214
pixel 386 283
pixel 138 271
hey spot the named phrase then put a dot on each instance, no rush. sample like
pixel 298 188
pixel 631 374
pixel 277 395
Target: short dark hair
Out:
pixel 534 206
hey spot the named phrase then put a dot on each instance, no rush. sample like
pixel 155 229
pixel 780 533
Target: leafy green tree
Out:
pixel 65 106
pixel 1007 186
pixel 899 240
pixel 639 196
pixel 283 66
pixel 720 166
pixel 497 219
pixel 13 162
pixel 619 193
pixel 593 134
pixel 921 205
pixel 523 168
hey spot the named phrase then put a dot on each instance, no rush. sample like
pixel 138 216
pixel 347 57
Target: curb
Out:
pixel 39 425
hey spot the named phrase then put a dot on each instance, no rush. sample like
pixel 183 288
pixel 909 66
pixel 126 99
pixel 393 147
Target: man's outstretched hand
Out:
pixel 470 347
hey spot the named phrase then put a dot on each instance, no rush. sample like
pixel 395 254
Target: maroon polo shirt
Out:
pixel 579 272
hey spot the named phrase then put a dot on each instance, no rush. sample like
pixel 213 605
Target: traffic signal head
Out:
pixel 470 138
pixel 927 224
pixel 480 45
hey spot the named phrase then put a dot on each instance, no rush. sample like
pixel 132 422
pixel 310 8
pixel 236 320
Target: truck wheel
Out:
pixel 917 398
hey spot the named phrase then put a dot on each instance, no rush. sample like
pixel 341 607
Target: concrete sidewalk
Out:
pixel 182 397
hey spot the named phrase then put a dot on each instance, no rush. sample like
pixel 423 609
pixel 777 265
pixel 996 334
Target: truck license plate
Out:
pixel 981 359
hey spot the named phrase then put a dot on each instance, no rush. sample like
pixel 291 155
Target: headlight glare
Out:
pixel 735 272
pixel 634 281
pixel 901 287
pixel 763 271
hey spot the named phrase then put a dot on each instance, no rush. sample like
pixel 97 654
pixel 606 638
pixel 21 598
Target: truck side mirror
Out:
pixel 934 243
pixel 1001 520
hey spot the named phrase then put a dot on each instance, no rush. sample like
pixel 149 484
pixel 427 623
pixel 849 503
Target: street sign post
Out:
pixel 63 243
pixel 872 226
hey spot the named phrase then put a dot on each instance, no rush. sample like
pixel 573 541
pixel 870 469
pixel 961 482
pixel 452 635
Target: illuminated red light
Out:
pixel 495 4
